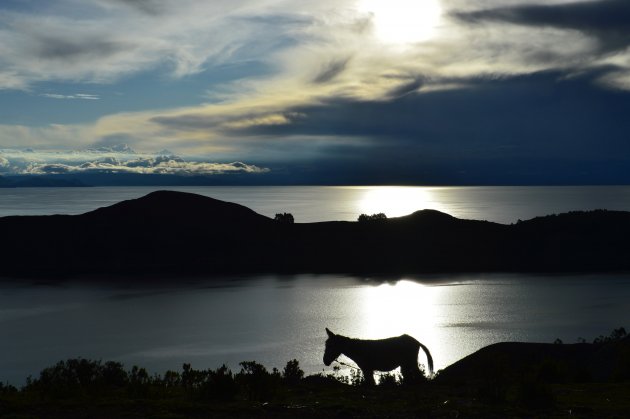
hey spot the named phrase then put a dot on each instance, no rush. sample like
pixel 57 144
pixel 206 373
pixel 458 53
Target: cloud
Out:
pixel 48 136
pixel 103 41
pixel 79 96
pixel 111 161
pixel 72 50
pixel 607 20
pixel 226 123
pixel 411 86
pixel 151 7
pixel 164 166
pixel 312 49
pixel 498 79
pixel 331 70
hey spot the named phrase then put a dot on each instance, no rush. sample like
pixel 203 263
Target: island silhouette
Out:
pixel 177 232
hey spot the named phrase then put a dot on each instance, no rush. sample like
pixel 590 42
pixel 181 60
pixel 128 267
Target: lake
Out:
pixel 272 319
pixel 325 203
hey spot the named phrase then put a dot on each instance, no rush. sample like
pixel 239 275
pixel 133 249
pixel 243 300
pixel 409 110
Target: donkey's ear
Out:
pixel 330 334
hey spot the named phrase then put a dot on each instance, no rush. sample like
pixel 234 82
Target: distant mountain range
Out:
pixel 39 182
pixel 134 179
pixel 174 232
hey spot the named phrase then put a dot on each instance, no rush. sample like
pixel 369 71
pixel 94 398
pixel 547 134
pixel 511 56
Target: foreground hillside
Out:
pixel 180 232
pixel 499 381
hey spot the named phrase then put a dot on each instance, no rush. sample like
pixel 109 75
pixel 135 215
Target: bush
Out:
pixel 390 379
pixel 219 384
pixel 257 382
pixel 79 376
pixel 615 336
pixel 292 373
pixel 284 218
pixel 364 218
pixel 139 381
pixel 7 388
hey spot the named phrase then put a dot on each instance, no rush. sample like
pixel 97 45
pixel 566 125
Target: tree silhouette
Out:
pixel 284 218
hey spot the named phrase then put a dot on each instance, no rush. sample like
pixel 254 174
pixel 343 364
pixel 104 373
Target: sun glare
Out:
pixel 403 21
pixel 395 201
pixel 394 309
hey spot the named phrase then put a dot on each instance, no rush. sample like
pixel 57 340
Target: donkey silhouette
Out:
pixel 379 355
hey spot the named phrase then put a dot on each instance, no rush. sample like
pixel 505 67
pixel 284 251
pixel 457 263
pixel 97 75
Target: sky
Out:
pixel 419 92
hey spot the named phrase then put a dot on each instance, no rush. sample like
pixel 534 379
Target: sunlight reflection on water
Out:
pixel 272 319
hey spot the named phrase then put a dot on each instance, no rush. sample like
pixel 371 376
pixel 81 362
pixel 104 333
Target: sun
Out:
pixel 403 21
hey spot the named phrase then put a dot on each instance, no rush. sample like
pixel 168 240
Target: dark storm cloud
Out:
pixel 539 128
pixel 606 20
pixel 406 88
pixel 74 49
pixel 331 70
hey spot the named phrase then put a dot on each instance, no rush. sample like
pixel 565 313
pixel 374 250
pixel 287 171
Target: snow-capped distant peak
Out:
pixel 164 152
pixel 118 148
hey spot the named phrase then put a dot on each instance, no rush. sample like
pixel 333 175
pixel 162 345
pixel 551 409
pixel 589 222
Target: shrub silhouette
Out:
pixel 257 382
pixel 79 376
pixel 615 336
pixel 364 218
pixel 114 374
pixel 172 379
pixel 82 377
pixel 7 388
pixel 219 385
pixel 284 218
pixel 139 382
pixel 390 379
pixel 292 373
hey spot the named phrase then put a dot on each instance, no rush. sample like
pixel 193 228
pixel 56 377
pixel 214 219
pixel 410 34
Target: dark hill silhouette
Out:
pixel 513 361
pixel 181 232
pixel 170 206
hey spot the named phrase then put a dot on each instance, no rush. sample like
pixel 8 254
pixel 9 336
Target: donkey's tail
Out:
pixel 429 357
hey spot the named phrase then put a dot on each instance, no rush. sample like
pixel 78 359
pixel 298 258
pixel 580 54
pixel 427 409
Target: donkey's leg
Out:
pixel 411 373
pixel 368 376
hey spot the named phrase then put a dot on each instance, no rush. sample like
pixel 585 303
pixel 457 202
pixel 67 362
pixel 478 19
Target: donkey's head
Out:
pixel 333 348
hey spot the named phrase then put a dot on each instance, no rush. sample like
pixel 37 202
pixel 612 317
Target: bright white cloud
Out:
pixel 32 162
pixel 77 96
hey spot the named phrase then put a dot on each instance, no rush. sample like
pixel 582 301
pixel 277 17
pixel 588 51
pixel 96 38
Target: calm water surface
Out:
pixel 274 319
pixel 317 203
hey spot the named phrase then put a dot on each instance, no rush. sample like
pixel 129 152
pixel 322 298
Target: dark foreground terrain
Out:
pixel 186 233
pixel 502 380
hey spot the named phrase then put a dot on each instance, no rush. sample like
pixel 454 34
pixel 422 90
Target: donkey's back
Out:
pixel 388 354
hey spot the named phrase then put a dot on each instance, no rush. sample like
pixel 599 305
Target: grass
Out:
pixel 480 386
pixel 91 389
